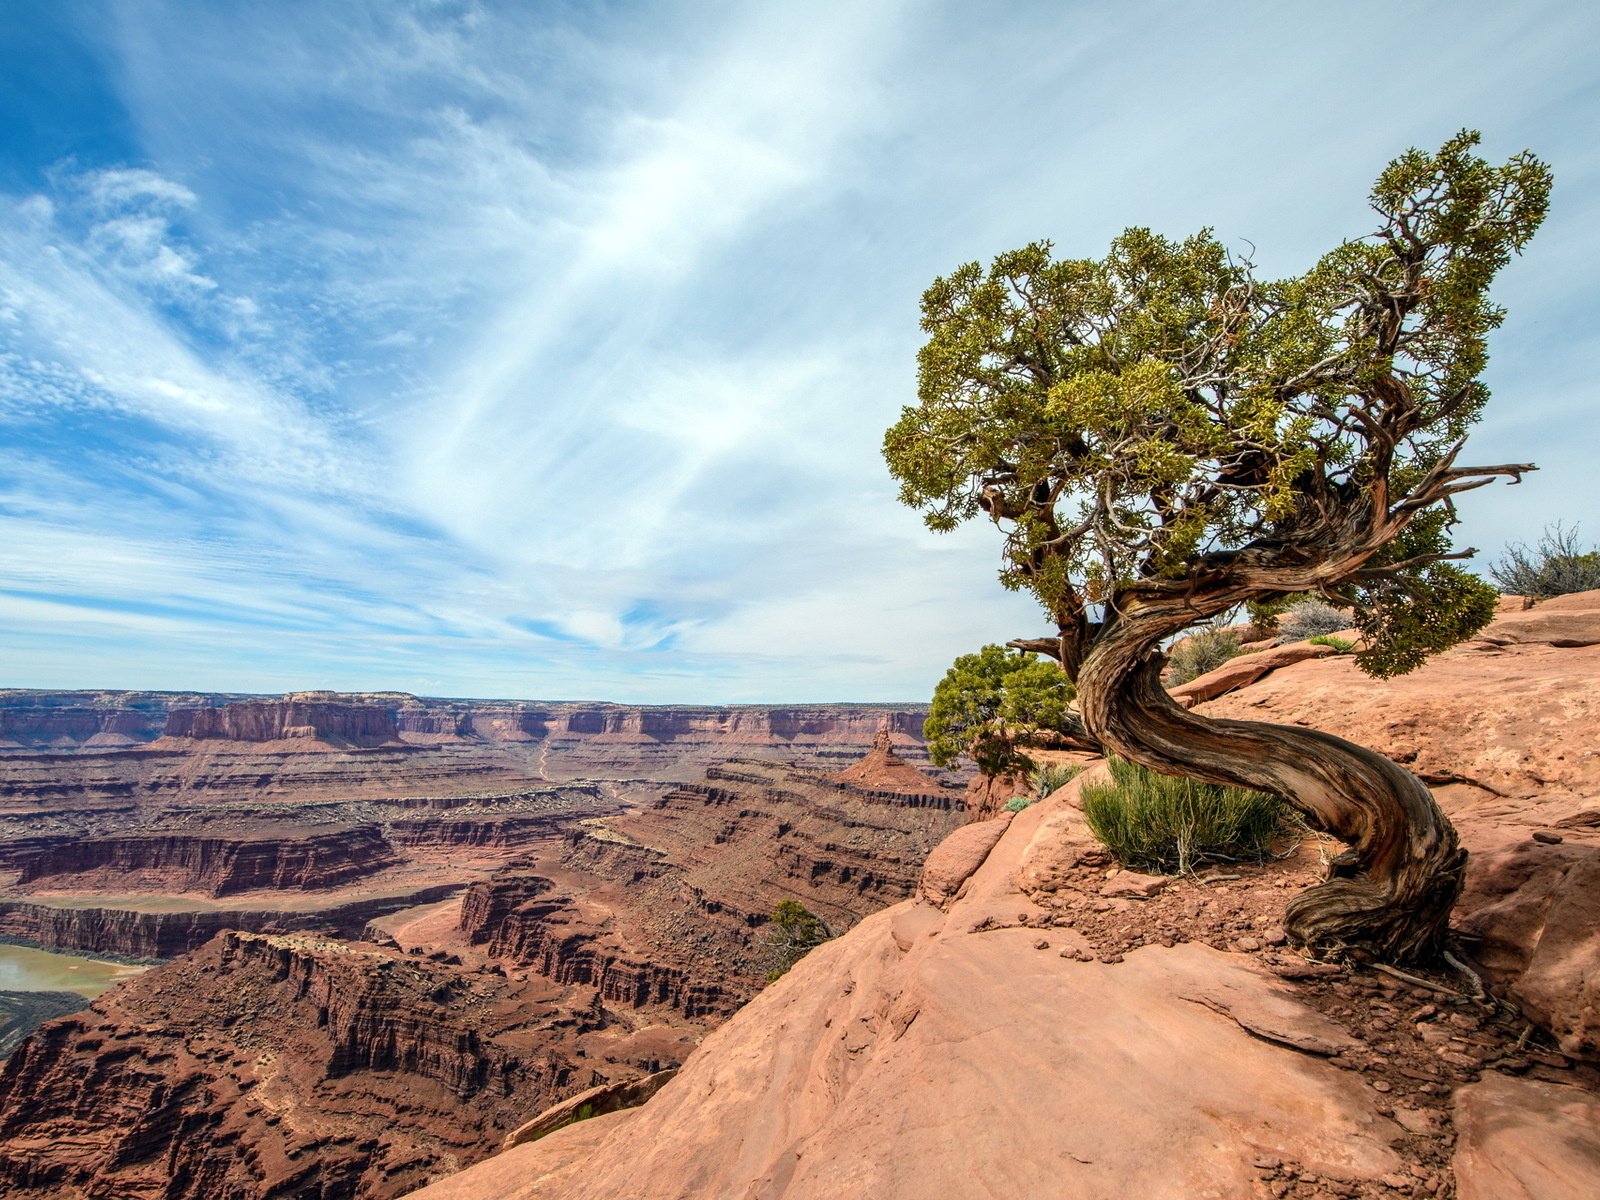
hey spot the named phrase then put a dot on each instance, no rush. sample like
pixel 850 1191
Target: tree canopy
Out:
pixel 1161 417
pixel 990 706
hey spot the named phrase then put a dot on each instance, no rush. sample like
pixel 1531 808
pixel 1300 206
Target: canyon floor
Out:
pixel 1005 1011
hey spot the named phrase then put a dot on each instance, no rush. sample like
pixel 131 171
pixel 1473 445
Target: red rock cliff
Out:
pixel 265 1066
pixel 283 720
pixel 216 864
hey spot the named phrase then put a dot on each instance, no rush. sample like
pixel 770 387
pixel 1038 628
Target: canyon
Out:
pixel 584 1006
pixel 397 927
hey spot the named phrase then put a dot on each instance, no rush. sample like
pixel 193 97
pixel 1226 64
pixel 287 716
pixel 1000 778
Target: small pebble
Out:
pixel 1382 1085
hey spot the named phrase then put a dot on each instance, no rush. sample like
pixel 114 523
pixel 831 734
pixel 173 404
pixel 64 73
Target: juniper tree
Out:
pixel 993 706
pixel 1162 435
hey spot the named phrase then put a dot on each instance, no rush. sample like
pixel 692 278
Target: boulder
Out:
pixel 1245 670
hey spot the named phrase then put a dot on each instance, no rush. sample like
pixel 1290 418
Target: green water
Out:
pixel 24 969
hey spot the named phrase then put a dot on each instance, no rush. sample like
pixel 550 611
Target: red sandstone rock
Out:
pixel 694 878
pixel 1134 885
pixel 175 861
pixel 1521 1139
pixel 314 1068
pixel 1245 670
pixel 1566 622
pixel 884 770
pixel 957 858
pixel 1535 909
pixel 586 1105
pixel 331 722
pixel 952 1059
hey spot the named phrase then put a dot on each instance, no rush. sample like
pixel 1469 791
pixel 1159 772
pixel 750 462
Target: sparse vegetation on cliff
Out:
pixel 1203 651
pixel 1311 617
pixel 793 933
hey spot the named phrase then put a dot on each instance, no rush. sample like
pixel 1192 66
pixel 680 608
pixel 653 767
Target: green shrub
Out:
pixel 1051 777
pixel 1018 803
pixel 1202 651
pixel 1340 645
pixel 1312 617
pixel 792 934
pixel 1155 822
pixel 1554 567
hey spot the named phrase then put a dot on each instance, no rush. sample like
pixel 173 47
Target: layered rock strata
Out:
pixel 177 861
pixel 168 931
pixel 327 721
pixel 695 876
pixel 320 1068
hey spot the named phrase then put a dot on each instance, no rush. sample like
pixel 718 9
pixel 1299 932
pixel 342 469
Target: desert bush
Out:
pixel 1202 651
pixel 1018 803
pixel 793 933
pixel 1311 617
pixel 1051 777
pixel 1161 823
pixel 1553 567
pixel 1339 645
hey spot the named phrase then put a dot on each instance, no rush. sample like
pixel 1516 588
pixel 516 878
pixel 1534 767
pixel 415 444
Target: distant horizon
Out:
pixel 5 689
pixel 477 348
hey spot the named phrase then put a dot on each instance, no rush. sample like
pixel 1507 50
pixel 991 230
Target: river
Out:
pixel 24 969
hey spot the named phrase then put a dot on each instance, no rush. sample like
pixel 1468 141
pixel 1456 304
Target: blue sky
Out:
pixel 520 349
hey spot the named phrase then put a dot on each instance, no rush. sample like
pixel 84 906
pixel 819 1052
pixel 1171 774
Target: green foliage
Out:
pixel 1443 607
pixel 1338 645
pixel 1554 567
pixel 992 704
pixel 1052 777
pixel 1200 652
pixel 1265 611
pixel 1018 803
pixel 1161 823
pixel 1139 423
pixel 794 931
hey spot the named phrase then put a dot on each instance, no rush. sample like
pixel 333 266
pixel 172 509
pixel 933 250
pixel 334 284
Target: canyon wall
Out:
pixel 157 933
pixel 321 1068
pixel 287 720
pixel 694 877
pixel 177 861
pixel 40 719
pixel 70 720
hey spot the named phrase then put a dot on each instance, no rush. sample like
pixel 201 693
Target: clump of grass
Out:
pixel 1160 823
pixel 1202 651
pixel 1018 803
pixel 1312 617
pixel 1051 777
pixel 1554 567
pixel 1339 645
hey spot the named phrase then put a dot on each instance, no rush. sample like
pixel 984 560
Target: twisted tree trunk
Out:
pixel 1389 895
